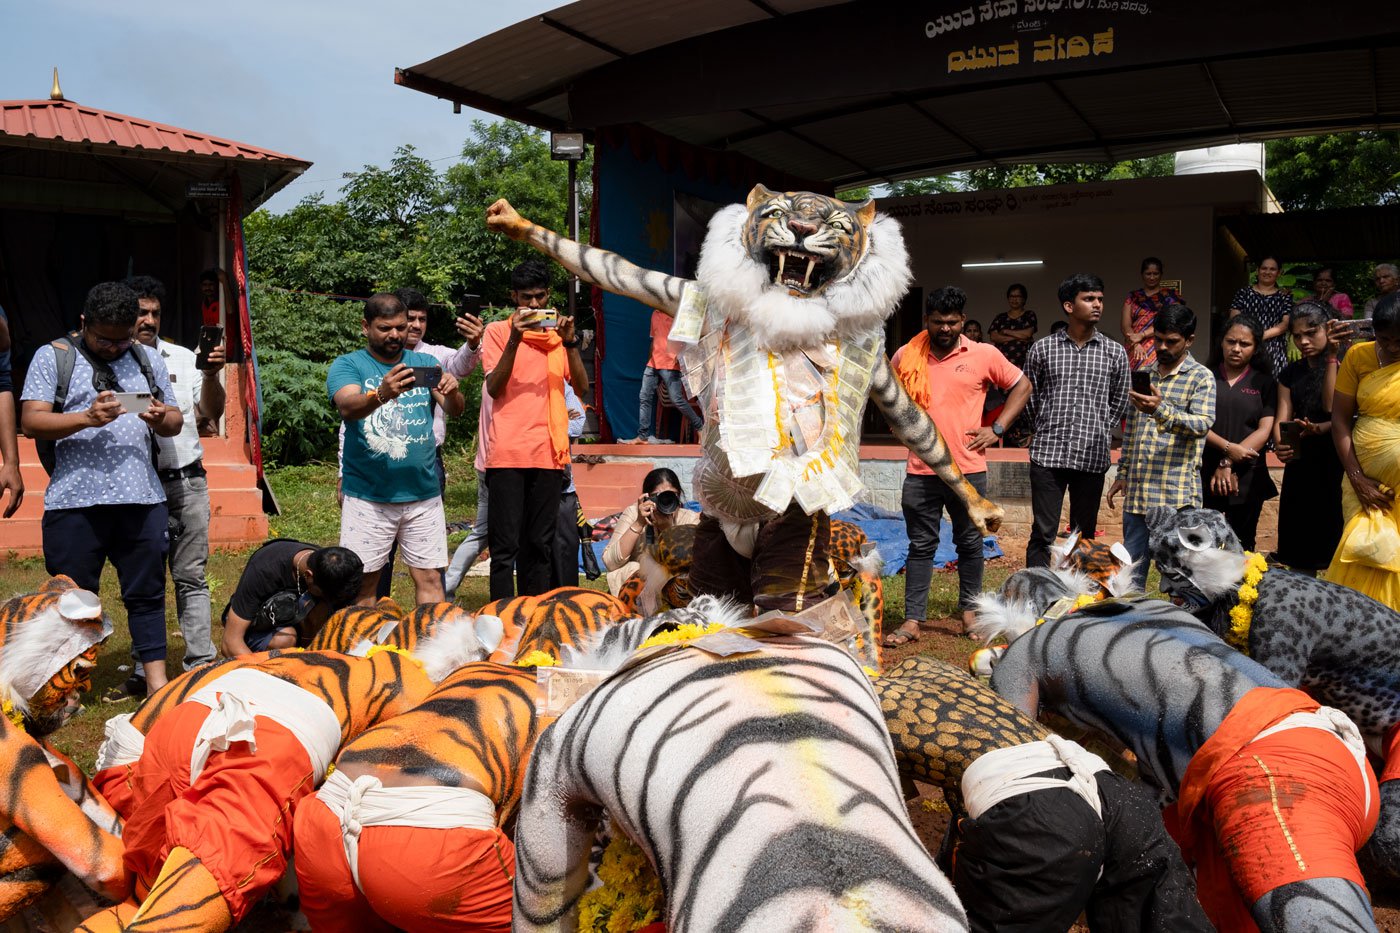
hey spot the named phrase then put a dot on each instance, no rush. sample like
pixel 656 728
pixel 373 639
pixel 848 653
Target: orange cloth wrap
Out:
pixel 1254 815
pixel 913 370
pixel 114 784
pixel 426 880
pixel 557 360
pixel 237 817
pixel 1392 754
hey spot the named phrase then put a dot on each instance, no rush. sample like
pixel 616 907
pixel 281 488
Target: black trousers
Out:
pixel 77 542
pixel 1048 487
pixel 566 542
pixel 1034 861
pixel 524 508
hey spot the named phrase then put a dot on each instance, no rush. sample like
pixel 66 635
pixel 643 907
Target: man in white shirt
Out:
pixel 199 394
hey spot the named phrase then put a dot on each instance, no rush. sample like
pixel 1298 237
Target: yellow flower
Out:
pixel 630 895
pixel 537 658
pixel 1083 601
pixel 15 717
pixel 1242 615
pixel 681 634
pixel 379 649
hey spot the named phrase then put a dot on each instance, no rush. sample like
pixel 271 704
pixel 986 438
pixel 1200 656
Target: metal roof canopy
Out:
pixel 1337 235
pixel 62 142
pixel 872 90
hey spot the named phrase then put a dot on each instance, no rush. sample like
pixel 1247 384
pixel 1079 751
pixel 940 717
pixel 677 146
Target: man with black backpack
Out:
pixel 95 400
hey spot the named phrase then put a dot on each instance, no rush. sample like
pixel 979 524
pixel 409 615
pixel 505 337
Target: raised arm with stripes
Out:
pixel 596 266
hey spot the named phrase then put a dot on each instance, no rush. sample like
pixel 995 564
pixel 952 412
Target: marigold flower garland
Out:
pixel 537 658
pixel 1242 615
pixel 380 649
pixel 682 634
pixel 629 897
pixel 15 717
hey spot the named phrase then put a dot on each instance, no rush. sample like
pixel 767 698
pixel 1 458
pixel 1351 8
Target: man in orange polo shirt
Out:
pixel 949 375
pixel 526 366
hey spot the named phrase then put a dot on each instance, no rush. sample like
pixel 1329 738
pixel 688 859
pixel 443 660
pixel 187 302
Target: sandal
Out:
pixel 133 688
pixel 901 636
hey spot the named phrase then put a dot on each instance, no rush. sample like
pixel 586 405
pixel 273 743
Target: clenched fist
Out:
pixel 502 218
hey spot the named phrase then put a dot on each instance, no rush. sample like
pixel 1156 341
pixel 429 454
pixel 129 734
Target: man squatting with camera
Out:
pixel 386 395
pixel 527 360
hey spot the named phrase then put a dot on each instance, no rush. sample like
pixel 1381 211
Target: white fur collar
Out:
pixel 857 304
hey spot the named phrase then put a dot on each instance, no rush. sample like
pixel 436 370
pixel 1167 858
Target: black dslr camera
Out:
pixel 667 502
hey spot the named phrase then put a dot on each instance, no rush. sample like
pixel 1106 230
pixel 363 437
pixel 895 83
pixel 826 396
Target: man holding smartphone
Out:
pixel 527 437
pixel 1166 434
pixel 389 467
pixel 199 395
pixel 105 500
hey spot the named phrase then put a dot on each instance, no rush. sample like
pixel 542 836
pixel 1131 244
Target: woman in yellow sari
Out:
pixel 1368 386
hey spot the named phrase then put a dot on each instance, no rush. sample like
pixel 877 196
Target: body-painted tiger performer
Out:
pixel 695 758
pixel 1270 794
pixel 1108 565
pixel 406 831
pixel 566 616
pixel 1339 645
pixel 350 627
pixel 784 344
pixel 1042 829
pixel 662 583
pixel 219 777
pixel 51 820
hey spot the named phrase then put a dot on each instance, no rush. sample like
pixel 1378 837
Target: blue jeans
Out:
pixel 924 499
pixel 187 499
pixel 1135 540
pixel 468 551
pixel 671 378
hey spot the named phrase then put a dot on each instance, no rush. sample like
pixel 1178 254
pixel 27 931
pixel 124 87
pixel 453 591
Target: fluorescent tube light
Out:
pixel 1003 263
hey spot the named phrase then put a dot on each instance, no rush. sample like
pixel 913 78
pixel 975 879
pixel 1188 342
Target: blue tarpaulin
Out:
pixel 886 531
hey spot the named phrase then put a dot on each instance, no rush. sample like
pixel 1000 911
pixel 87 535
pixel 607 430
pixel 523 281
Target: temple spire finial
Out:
pixel 56 92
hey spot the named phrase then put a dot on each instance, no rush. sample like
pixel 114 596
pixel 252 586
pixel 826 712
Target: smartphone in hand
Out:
pixel 1142 382
pixel 210 336
pixel 426 377
pixel 1290 434
pixel 134 402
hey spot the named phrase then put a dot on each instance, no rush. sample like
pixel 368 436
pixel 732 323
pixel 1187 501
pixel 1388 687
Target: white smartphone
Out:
pixel 134 402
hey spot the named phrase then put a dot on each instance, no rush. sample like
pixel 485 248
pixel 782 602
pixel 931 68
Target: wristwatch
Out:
pixel 997 429
pixel 572 344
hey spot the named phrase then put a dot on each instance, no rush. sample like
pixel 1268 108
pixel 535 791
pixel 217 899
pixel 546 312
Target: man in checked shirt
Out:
pixel 1079 380
pixel 1161 462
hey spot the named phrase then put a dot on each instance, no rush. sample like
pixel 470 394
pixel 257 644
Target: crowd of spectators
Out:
pixel 133 490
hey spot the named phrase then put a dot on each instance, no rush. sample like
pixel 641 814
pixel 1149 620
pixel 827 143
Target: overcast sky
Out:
pixel 311 78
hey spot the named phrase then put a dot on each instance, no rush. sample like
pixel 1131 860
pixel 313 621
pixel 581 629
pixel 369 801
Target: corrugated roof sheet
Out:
pixel 67 122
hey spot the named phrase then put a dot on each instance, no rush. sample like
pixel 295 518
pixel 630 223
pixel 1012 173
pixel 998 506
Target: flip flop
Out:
pixel 133 688
pixel 899 637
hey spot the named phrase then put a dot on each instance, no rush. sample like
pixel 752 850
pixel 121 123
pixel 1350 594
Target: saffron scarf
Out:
pixel 557 360
pixel 913 370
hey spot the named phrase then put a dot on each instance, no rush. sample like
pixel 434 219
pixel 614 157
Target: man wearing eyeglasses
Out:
pixel 105 500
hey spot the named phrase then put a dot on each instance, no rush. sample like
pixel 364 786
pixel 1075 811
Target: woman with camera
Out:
pixel 656 509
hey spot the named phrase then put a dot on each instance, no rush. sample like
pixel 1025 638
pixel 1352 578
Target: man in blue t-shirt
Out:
pixel 105 501
pixel 389 467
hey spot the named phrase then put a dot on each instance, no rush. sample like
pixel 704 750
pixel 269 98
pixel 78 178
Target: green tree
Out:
pixel 1336 170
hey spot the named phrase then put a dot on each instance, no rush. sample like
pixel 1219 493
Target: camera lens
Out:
pixel 667 502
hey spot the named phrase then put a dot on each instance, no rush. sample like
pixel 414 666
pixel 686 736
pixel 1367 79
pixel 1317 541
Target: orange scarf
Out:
pixel 557 359
pixel 913 370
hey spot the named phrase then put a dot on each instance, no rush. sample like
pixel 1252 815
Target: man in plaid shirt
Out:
pixel 1079 380
pixel 1161 462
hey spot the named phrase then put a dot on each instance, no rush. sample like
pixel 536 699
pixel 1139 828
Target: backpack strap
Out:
pixel 145 365
pixel 65 357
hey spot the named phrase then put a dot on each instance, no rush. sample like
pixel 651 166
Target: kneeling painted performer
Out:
pixel 1042 829
pixel 1270 793
pixel 783 334
pixel 50 816
pixel 761 786
pixel 406 830
pixel 215 787
pixel 1341 646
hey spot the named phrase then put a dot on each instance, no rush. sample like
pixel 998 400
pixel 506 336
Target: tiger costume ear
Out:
pixel 489 631
pixel 758 195
pixel 865 212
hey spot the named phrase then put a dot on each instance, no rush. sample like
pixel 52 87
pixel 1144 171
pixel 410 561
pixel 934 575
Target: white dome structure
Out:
pixel 1240 157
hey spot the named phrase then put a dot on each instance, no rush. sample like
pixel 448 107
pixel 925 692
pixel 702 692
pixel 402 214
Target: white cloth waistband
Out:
pixel 1328 719
pixel 1009 772
pixel 367 802
pixel 239 696
pixel 123 744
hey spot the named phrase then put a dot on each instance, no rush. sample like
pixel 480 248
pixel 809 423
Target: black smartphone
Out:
pixel 470 304
pixel 210 336
pixel 1142 382
pixel 426 377
pixel 1290 434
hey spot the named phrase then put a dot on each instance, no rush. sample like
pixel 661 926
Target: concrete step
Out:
pixel 605 488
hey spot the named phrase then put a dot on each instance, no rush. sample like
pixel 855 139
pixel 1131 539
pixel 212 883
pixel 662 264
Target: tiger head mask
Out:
pixel 800 268
pixel 48 650
pixel 1198 555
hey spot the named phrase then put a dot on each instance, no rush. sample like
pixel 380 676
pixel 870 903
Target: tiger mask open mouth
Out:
pixel 806 241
